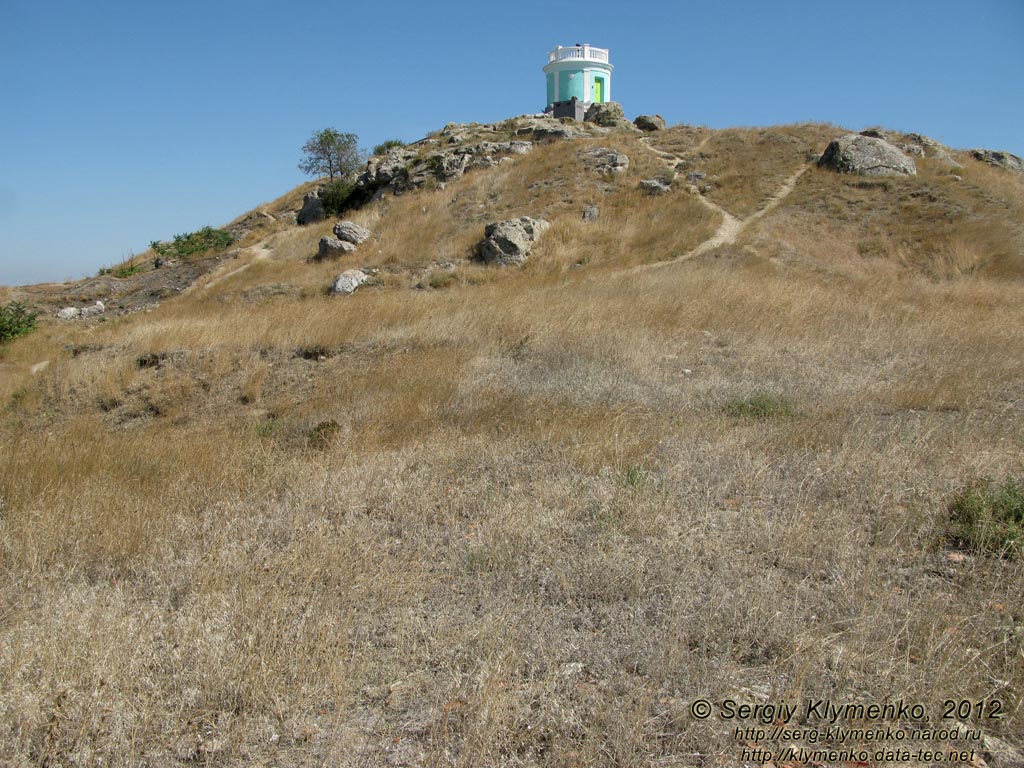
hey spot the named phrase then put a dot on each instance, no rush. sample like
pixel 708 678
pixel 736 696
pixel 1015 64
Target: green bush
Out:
pixel 15 321
pixel 758 406
pixel 335 195
pixel 380 149
pixel 194 243
pixel 988 518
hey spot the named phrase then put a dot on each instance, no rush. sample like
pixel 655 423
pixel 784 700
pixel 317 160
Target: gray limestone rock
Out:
pixel 312 209
pixel 866 156
pixel 1003 160
pixel 510 241
pixel 347 282
pixel 350 232
pixel 650 123
pixel 333 248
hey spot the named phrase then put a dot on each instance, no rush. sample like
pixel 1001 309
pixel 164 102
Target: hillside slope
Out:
pixel 473 515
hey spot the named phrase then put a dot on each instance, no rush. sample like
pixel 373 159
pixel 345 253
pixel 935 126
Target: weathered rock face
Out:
pixel 74 313
pixel 402 169
pixel 609 114
pixel 350 232
pixel 348 281
pixel 1003 160
pixel 650 123
pixel 510 242
pixel 541 128
pixel 69 313
pixel 866 156
pixel 654 187
pixel 312 209
pixel 333 248
pixel 604 160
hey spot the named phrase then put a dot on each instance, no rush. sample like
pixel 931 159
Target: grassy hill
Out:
pixel 476 516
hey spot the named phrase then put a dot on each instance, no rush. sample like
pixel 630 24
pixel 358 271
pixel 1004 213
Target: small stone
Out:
pixel 591 212
pixel 654 187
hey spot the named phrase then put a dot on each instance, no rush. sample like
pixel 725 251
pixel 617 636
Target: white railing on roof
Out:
pixel 582 52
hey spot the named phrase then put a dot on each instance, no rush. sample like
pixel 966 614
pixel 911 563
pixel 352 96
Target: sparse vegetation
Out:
pixel 760 405
pixel 15 320
pixel 988 518
pixel 383 147
pixel 527 520
pixel 193 244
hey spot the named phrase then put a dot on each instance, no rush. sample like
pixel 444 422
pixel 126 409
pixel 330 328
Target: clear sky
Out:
pixel 125 122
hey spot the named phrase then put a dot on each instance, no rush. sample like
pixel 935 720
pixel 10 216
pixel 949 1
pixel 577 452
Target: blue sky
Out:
pixel 125 122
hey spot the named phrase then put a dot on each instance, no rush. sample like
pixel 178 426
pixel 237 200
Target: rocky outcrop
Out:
pixel 350 232
pixel 608 114
pixel 312 209
pixel 654 187
pixel 1003 160
pixel 333 248
pixel 75 313
pixel 403 169
pixel 649 123
pixel 510 241
pixel 866 156
pixel 347 282
pixel 604 160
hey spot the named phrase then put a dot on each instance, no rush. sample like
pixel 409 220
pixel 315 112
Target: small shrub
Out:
pixel 380 149
pixel 127 270
pixel 335 195
pixel 634 476
pixel 758 406
pixel 15 321
pixel 442 278
pixel 322 435
pixel 194 243
pixel 988 518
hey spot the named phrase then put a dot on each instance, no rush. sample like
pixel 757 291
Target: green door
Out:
pixel 599 89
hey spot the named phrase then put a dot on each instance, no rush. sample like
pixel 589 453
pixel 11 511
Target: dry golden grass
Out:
pixel 510 519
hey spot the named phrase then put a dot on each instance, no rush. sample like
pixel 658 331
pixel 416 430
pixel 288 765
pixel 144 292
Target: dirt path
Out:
pixel 258 252
pixel 731 227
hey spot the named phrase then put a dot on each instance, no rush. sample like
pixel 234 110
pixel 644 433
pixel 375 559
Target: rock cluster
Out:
pixel 347 235
pixel 74 313
pixel 405 168
pixel 510 241
pixel 867 156
pixel 1003 160
pixel 604 160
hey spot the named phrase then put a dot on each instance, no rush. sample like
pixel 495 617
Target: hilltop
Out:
pixel 713 439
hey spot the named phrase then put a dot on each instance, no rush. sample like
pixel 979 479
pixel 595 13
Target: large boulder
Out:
pixel 604 160
pixel 510 241
pixel 312 209
pixel 69 313
pixel 348 281
pixel 1003 160
pixel 867 156
pixel 92 310
pixel 650 123
pixel 333 248
pixel 350 232
pixel 608 114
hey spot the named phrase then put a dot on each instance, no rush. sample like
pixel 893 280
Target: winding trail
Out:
pixel 731 227
pixel 257 253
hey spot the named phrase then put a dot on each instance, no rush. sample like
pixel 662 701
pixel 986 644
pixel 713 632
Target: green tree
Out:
pixel 331 153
